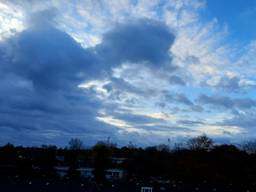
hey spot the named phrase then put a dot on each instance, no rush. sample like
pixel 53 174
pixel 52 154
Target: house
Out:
pixel 115 174
pixel 86 172
pixel 60 158
pixel 146 189
pixel 62 171
pixel 117 160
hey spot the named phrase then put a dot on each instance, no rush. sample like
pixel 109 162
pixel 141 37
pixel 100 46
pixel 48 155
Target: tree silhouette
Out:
pixel 102 160
pixel 201 142
pixel 249 147
pixel 75 144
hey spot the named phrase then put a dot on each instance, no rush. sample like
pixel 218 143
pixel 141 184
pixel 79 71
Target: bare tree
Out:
pixel 179 146
pixel 75 144
pixel 201 142
pixel 249 146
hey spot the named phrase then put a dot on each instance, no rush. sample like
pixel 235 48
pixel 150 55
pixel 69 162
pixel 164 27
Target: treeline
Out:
pixel 198 160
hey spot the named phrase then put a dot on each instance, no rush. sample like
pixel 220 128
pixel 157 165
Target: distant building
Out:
pixel 115 174
pixel 146 189
pixel 60 158
pixel 62 171
pixel 117 160
pixel 86 172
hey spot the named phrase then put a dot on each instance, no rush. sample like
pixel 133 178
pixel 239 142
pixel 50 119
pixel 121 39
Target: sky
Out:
pixel 140 71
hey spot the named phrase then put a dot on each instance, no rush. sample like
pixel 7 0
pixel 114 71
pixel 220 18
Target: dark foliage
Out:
pixel 200 162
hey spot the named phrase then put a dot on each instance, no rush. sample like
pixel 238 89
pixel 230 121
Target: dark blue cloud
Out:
pixel 47 57
pixel 227 102
pixel 177 80
pixel 229 83
pixel 178 98
pixel 233 84
pixel 190 122
pixel 245 120
pixel 137 41
pixel 42 66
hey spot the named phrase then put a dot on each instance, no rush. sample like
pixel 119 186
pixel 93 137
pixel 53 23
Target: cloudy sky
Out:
pixel 141 71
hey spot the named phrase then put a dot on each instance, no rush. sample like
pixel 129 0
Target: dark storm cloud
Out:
pixel 42 66
pixel 48 58
pixel 138 41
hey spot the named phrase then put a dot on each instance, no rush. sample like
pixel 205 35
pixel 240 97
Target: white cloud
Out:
pixel 119 124
pixel 215 130
pixel 161 116
pixel 11 21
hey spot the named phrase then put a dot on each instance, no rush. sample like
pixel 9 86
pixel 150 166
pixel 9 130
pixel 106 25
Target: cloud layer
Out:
pixel 129 70
pixel 42 67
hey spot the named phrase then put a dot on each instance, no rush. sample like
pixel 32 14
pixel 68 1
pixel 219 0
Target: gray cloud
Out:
pixel 227 83
pixel 137 41
pixel 179 98
pixel 234 83
pixel 177 80
pixel 42 66
pixel 49 58
pixel 227 102
pixel 246 120
pixel 190 122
